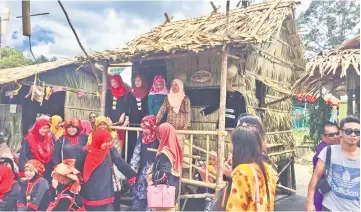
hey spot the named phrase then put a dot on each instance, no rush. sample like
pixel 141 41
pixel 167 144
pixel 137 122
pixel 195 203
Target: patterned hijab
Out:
pixel 154 91
pixel 73 122
pixel 150 123
pixel 40 146
pixel 175 99
pixel 35 165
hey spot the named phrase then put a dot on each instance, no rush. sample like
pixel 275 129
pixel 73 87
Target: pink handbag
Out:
pixel 161 196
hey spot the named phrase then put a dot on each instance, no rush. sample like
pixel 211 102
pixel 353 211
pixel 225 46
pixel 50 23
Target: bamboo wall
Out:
pixel 11 125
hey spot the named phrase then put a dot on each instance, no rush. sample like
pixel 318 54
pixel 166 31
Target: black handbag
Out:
pixel 323 186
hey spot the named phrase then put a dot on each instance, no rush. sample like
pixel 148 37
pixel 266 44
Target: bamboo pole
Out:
pixel 199 183
pixel 197 196
pixel 126 146
pixel 222 104
pixel 184 132
pixel 78 40
pixel 281 187
pixel 207 157
pixel 190 152
pixel 104 90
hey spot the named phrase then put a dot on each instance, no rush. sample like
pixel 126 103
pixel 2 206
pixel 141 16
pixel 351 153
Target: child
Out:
pixel 9 189
pixel 68 199
pixel 35 194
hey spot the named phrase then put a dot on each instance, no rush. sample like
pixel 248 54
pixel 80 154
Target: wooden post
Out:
pixel 26 17
pixel 222 104
pixel 104 89
pixel 349 102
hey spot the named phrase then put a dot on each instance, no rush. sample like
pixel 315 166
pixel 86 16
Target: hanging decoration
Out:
pixel 48 92
pixel 331 100
pixel 308 99
pixel 13 93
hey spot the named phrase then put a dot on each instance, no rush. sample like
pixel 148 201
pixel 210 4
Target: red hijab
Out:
pixel 87 126
pixel 96 154
pixel 170 145
pixel 6 180
pixel 120 90
pixel 150 123
pixel 40 146
pixel 143 90
pixel 74 123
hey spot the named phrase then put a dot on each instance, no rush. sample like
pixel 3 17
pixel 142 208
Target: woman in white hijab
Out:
pixel 177 106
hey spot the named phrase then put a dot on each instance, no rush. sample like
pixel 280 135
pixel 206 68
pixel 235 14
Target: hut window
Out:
pixel 261 91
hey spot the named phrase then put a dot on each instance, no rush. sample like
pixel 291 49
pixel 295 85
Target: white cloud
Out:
pixel 98 30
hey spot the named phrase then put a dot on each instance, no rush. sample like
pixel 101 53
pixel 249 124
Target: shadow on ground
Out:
pixel 290 203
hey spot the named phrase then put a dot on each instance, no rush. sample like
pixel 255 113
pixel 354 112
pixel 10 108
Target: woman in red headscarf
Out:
pixel 96 165
pixel 168 162
pixel 9 189
pixel 38 144
pixel 35 195
pixel 117 104
pixel 142 159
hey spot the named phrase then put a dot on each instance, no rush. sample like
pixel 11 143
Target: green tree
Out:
pixel 10 58
pixel 43 59
pixel 327 24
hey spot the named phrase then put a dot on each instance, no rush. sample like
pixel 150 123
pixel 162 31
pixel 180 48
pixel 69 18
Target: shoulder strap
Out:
pixel 328 158
pixel 62 147
pixel 257 198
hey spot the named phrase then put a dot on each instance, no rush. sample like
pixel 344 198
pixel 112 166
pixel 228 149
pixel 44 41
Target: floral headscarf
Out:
pixel 154 91
pixel 36 165
pixel 150 123
pixel 74 123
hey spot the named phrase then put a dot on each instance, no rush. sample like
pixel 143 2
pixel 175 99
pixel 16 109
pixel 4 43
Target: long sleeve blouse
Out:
pixel 180 120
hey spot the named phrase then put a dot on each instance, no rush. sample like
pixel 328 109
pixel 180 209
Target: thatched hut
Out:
pixel 263 43
pixel 337 72
pixel 73 95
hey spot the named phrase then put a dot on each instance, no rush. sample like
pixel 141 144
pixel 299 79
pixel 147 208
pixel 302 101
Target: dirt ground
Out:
pixel 303 168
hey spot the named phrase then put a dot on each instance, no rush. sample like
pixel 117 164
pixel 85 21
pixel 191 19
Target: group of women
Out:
pixel 64 166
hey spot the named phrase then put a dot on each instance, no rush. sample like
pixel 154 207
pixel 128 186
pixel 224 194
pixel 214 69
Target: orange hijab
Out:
pixel 170 146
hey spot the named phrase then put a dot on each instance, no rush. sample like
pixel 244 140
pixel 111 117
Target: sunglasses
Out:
pixel 350 131
pixel 332 134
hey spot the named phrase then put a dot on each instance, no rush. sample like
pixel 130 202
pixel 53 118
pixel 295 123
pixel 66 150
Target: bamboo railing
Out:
pixel 187 144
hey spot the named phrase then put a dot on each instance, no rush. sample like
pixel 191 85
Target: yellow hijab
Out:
pixel 54 121
pixel 98 121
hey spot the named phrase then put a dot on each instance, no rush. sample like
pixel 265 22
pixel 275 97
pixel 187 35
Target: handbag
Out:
pixel 322 185
pixel 161 196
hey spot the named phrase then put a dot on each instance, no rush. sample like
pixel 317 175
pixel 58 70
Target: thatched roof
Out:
pixel 328 70
pixel 22 72
pixel 206 32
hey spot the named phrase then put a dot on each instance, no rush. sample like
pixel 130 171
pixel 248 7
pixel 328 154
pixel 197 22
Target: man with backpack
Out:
pixel 341 164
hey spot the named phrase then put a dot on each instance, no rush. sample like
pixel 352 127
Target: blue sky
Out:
pixel 101 25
